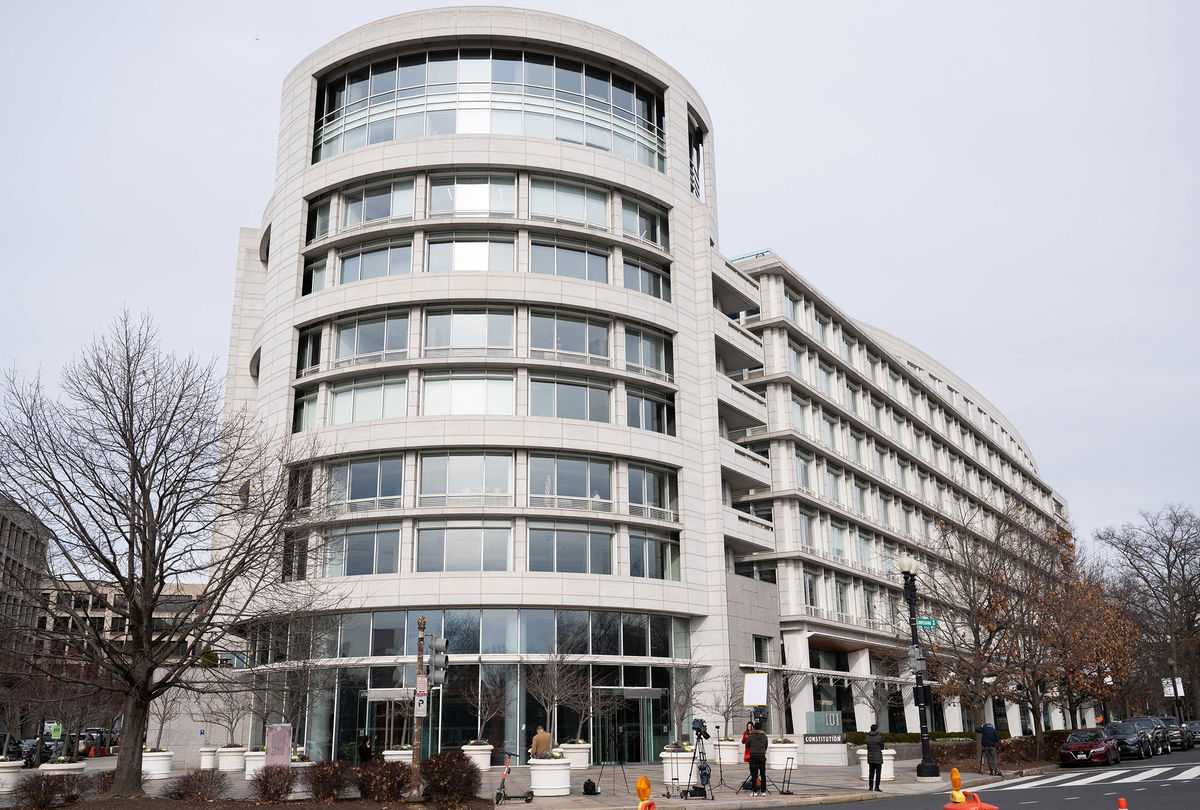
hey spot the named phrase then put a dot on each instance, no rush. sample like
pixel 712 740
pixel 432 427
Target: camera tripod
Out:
pixel 720 767
pixel 698 752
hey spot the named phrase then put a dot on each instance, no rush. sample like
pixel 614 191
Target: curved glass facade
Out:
pixel 489 91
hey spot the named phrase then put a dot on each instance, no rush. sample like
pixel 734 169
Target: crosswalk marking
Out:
pixel 1036 782
pixel 1096 777
pixel 1190 773
pixel 1138 777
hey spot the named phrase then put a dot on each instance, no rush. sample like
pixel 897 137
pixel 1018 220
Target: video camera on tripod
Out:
pixel 701 729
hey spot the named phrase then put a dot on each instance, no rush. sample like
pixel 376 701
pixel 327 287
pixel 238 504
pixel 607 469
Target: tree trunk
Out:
pixel 1035 710
pixel 127 777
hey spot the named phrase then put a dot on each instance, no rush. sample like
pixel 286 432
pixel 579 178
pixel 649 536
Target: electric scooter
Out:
pixel 501 793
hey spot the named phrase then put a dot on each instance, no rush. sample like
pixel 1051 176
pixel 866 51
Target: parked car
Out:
pixel 1089 746
pixel 1131 740
pixel 1194 727
pixel 1160 741
pixel 1181 737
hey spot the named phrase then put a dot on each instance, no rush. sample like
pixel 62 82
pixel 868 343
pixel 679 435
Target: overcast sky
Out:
pixel 1011 186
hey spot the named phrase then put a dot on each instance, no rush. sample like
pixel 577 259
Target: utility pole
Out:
pixel 418 717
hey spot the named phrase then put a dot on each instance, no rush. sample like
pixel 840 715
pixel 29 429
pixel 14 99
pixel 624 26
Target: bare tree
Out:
pixel 226 704
pixel 143 485
pixel 725 701
pixel 880 692
pixel 551 683
pixel 164 709
pixel 488 698
pixel 782 687
pixel 686 680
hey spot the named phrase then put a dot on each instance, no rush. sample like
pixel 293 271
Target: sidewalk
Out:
pixel 810 785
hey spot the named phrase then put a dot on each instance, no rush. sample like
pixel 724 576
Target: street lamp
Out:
pixel 909 566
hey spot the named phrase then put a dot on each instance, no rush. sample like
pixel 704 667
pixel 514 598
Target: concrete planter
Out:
pixel 63 767
pixel 157 764
pixel 208 759
pixel 481 755
pixel 550 777
pixel 729 752
pixel 579 755
pixel 231 759
pixel 678 767
pixel 779 753
pixel 10 774
pixel 397 755
pixel 255 761
pixel 887 773
pixel 301 791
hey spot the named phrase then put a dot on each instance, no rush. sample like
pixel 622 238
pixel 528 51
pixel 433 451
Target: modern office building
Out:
pixel 23 541
pixel 549 415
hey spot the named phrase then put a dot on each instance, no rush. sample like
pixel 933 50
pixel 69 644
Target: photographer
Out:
pixel 756 747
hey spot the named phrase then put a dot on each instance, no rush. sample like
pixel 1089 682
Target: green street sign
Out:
pixel 926 622
pixel 56 732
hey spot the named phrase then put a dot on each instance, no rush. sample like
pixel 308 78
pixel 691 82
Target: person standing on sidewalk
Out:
pixel 989 738
pixel 756 745
pixel 874 758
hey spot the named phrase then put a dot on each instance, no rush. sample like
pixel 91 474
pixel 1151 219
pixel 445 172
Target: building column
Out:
pixel 796 644
pixel 912 717
pixel 860 664
pixel 952 709
pixel 1015 727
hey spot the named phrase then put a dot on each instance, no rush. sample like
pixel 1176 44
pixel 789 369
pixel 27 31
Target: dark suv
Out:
pixel 1131 740
pixel 1180 736
pixel 1160 741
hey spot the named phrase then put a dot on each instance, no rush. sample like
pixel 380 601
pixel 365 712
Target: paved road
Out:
pixel 1170 782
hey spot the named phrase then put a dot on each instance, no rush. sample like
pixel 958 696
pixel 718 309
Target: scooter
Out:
pixel 501 793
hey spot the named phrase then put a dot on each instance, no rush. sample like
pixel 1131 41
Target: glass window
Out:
pixel 573 261
pixel 367 399
pixel 468 195
pixel 314 277
pixel 537 631
pixel 837 540
pixel 832 477
pixel 371 339
pixel 648 352
pixel 447 393
pixel 465 478
pixel 569 398
pixel 803 470
pixel 461 629
pixel 377 203
pixel 567 202
pixel 499 631
pixel 362 551
pixel 650 411
pixel 367 479
pixel 570 548
pixel 570 338
pixel 606 632
pixel 635 629
pixel 308 350
pixel 651 491
pixel 647 278
pixel 469 332
pixel 318 220
pixel 644 221
pixel 463 545
pixel 471 254
pixel 570 482
pixel 387 633
pixel 355 636
pixel 571 631
pixel 304 413
pixel 812 590
pixel 375 261
pixel 653 554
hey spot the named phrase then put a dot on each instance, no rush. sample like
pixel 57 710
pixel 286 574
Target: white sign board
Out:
pixel 754 689
pixel 1168 691
pixel 421 706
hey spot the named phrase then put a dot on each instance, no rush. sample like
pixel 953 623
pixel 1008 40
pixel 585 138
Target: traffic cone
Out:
pixel 963 801
pixel 1121 805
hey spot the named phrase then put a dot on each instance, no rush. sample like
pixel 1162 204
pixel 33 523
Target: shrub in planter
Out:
pixel 39 790
pixel 451 779
pixel 327 780
pixel 273 783
pixel 206 786
pixel 384 781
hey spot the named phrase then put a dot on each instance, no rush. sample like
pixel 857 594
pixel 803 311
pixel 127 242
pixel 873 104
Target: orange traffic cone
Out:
pixel 963 801
pixel 1121 805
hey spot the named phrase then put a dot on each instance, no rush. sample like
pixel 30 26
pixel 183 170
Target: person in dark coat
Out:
pixel 365 751
pixel 989 738
pixel 874 758
pixel 756 744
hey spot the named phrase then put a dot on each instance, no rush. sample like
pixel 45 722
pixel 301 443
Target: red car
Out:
pixel 1091 745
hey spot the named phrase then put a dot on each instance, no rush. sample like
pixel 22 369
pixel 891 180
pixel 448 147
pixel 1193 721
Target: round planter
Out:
pixel 300 791
pixel 397 755
pixel 481 755
pixel 729 752
pixel 779 753
pixel 887 773
pixel 550 777
pixel 678 766
pixel 64 767
pixel 231 759
pixel 255 760
pixel 10 774
pixel 157 764
pixel 578 754
pixel 208 759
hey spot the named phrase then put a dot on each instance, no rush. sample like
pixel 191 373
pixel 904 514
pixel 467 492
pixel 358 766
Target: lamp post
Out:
pixel 909 567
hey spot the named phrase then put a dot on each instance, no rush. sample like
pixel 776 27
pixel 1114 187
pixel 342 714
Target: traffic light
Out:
pixel 438 661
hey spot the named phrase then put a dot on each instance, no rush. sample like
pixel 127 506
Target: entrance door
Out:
pixel 620 733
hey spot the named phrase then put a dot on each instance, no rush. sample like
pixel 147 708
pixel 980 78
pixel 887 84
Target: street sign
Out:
pixel 1169 691
pixel 56 732
pixel 926 622
pixel 421 706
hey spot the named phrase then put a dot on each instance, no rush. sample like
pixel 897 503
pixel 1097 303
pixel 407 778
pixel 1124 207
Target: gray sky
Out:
pixel 1011 186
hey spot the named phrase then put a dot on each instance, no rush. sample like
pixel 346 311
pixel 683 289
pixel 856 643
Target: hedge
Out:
pixel 860 737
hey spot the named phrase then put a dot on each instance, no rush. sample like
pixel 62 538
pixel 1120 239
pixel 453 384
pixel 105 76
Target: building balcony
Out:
pixel 744 469
pixel 733 289
pixel 737 347
pixel 741 407
pixel 747 534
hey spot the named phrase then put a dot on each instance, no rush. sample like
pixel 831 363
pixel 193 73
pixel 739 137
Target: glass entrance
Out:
pixel 633 730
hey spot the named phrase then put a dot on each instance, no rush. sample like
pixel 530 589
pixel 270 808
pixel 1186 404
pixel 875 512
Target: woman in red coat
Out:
pixel 745 737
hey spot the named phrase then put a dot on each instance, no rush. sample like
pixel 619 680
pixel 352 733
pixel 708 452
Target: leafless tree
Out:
pixel 164 709
pixel 226 703
pixel 489 697
pixel 880 692
pixel 145 485
pixel 686 680
pixel 724 700
pixel 554 681
pixel 782 687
